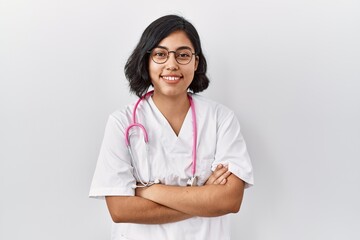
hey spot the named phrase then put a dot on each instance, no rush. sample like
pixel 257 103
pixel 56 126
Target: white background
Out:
pixel 289 69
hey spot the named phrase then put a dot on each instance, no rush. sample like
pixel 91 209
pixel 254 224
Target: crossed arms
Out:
pixel 157 204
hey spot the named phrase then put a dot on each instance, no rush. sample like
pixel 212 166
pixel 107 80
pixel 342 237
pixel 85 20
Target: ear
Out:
pixel 196 62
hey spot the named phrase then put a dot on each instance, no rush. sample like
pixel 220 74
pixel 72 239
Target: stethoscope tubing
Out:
pixel 193 113
pixel 146 140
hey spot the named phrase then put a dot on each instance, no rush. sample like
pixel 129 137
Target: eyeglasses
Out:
pixel 160 55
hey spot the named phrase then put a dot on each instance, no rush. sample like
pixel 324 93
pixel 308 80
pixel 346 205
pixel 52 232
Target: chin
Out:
pixel 171 92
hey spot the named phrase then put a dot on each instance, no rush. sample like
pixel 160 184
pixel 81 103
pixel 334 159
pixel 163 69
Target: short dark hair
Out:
pixel 137 66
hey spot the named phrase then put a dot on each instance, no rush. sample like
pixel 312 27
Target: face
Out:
pixel 171 78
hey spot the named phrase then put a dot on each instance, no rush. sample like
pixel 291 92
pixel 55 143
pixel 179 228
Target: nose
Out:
pixel 171 63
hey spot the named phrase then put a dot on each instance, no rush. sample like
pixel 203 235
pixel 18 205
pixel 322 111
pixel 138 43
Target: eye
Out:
pixel 183 54
pixel 159 53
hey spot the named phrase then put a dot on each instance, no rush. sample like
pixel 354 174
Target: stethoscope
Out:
pixel 192 180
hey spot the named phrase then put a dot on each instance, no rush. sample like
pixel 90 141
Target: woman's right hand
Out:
pixel 219 176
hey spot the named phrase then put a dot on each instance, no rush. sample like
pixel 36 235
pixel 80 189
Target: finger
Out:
pixel 227 174
pixel 222 177
pixel 218 172
pixel 215 175
pixel 223 181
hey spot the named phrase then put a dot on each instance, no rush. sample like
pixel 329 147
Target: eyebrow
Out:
pixel 179 48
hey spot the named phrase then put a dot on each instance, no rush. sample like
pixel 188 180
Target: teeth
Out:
pixel 171 78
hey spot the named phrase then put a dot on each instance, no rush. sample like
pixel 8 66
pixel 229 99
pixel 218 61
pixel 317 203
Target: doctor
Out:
pixel 190 140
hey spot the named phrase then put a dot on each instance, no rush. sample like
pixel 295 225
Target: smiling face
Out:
pixel 171 78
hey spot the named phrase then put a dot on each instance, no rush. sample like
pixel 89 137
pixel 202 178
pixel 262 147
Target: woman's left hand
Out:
pixel 219 176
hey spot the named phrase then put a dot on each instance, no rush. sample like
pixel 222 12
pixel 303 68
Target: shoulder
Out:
pixel 211 107
pixel 122 115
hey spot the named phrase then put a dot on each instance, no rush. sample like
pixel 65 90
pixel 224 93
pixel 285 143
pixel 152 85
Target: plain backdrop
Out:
pixel 289 69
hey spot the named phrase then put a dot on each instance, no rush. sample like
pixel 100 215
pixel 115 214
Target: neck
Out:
pixel 172 106
pixel 174 109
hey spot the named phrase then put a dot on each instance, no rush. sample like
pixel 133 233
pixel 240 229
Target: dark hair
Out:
pixel 137 66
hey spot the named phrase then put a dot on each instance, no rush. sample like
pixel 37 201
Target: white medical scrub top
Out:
pixel 170 156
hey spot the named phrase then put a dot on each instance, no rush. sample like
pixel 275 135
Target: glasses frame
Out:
pixel 168 55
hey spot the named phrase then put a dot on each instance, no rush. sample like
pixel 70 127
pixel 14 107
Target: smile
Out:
pixel 171 78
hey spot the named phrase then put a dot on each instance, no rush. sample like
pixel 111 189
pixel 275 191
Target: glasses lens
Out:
pixel 159 55
pixel 183 56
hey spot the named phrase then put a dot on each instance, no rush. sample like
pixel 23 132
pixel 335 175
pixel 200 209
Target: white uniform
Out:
pixel 170 157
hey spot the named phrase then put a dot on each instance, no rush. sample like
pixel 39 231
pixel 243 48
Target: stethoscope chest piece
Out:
pixel 192 181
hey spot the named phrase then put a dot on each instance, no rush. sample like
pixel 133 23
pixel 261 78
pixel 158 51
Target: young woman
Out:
pixel 193 169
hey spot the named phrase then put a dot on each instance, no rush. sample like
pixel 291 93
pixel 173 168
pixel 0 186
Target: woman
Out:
pixel 191 141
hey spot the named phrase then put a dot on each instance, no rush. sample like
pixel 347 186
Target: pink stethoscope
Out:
pixel 192 180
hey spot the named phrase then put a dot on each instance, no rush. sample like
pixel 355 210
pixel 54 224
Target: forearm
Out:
pixel 198 201
pixel 140 210
pixel 205 201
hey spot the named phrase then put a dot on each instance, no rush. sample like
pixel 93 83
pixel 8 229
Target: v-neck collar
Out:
pixel 169 137
pixel 166 123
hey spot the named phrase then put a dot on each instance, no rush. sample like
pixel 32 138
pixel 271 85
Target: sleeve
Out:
pixel 113 173
pixel 231 150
